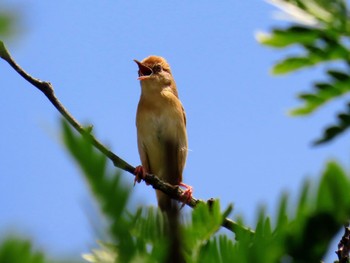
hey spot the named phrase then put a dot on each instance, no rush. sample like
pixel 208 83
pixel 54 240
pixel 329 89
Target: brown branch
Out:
pixel 344 246
pixel 47 88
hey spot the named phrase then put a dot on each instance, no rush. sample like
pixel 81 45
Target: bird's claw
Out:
pixel 187 194
pixel 139 174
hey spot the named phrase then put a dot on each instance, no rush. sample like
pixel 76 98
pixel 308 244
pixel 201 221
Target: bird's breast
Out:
pixel 159 124
pixel 161 118
pixel 162 137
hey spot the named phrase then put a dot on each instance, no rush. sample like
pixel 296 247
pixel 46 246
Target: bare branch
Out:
pixel 46 87
pixel 344 246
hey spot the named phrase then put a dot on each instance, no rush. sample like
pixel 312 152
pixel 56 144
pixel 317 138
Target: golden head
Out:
pixel 155 74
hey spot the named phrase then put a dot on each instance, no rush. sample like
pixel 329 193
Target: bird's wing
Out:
pixel 143 155
pixel 184 114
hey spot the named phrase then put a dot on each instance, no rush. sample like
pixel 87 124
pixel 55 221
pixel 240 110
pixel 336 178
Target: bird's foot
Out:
pixel 187 194
pixel 140 174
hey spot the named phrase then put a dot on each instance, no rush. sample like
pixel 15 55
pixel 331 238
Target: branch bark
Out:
pixel 47 88
pixel 344 246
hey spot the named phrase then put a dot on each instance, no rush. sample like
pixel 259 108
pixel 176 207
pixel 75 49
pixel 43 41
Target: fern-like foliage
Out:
pixel 15 250
pixel 338 85
pixel 343 123
pixel 297 233
pixel 321 31
pixel 129 240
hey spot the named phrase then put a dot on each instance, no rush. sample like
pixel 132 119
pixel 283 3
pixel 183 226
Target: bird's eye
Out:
pixel 157 68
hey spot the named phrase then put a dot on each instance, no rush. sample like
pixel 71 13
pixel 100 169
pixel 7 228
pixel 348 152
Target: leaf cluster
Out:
pixel 299 232
pixel 15 250
pixel 320 31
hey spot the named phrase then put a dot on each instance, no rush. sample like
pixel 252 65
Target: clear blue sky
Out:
pixel 245 149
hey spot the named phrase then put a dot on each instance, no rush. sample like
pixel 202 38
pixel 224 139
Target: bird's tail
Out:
pixel 172 228
pixel 165 203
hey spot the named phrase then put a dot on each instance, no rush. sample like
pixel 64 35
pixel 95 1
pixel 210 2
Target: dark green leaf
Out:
pixel 334 131
pixel 323 86
pixel 338 75
pixel 311 239
pixel 14 250
pixel 334 191
pixel 324 92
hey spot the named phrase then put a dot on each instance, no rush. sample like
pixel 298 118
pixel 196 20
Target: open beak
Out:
pixel 144 71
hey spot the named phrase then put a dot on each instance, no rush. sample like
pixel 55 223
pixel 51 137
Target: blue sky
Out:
pixel 245 148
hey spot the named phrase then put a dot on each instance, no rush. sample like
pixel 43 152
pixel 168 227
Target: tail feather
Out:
pixel 165 203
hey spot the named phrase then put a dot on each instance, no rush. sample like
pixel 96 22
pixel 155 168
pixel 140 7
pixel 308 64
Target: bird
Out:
pixel 161 128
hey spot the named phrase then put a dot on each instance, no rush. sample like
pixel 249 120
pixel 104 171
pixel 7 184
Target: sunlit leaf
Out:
pixel 320 29
pixel 210 252
pixel 304 198
pixel 291 64
pixel 282 216
pixel 314 56
pixel 105 254
pixel 205 222
pixel 226 247
pixel 280 38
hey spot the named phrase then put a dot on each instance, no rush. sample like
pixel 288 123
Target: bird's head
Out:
pixel 154 73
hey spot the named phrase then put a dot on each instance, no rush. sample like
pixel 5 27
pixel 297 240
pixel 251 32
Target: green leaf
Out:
pixel 334 191
pixel 311 238
pixel 106 254
pixel 148 228
pixel 291 64
pixel 322 38
pixel 308 239
pixel 282 216
pixel 210 252
pixel 323 93
pixel 303 203
pixel 338 75
pixel 323 86
pixel 112 195
pixel 206 221
pixel 315 55
pixel 14 250
pixel 219 249
pixel 280 38
pixel 226 247
pixel 6 24
pixel 333 131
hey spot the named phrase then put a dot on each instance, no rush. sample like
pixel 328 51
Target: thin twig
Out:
pixel 47 88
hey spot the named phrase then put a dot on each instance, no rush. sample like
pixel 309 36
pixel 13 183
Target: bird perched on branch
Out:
pixel 161 128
